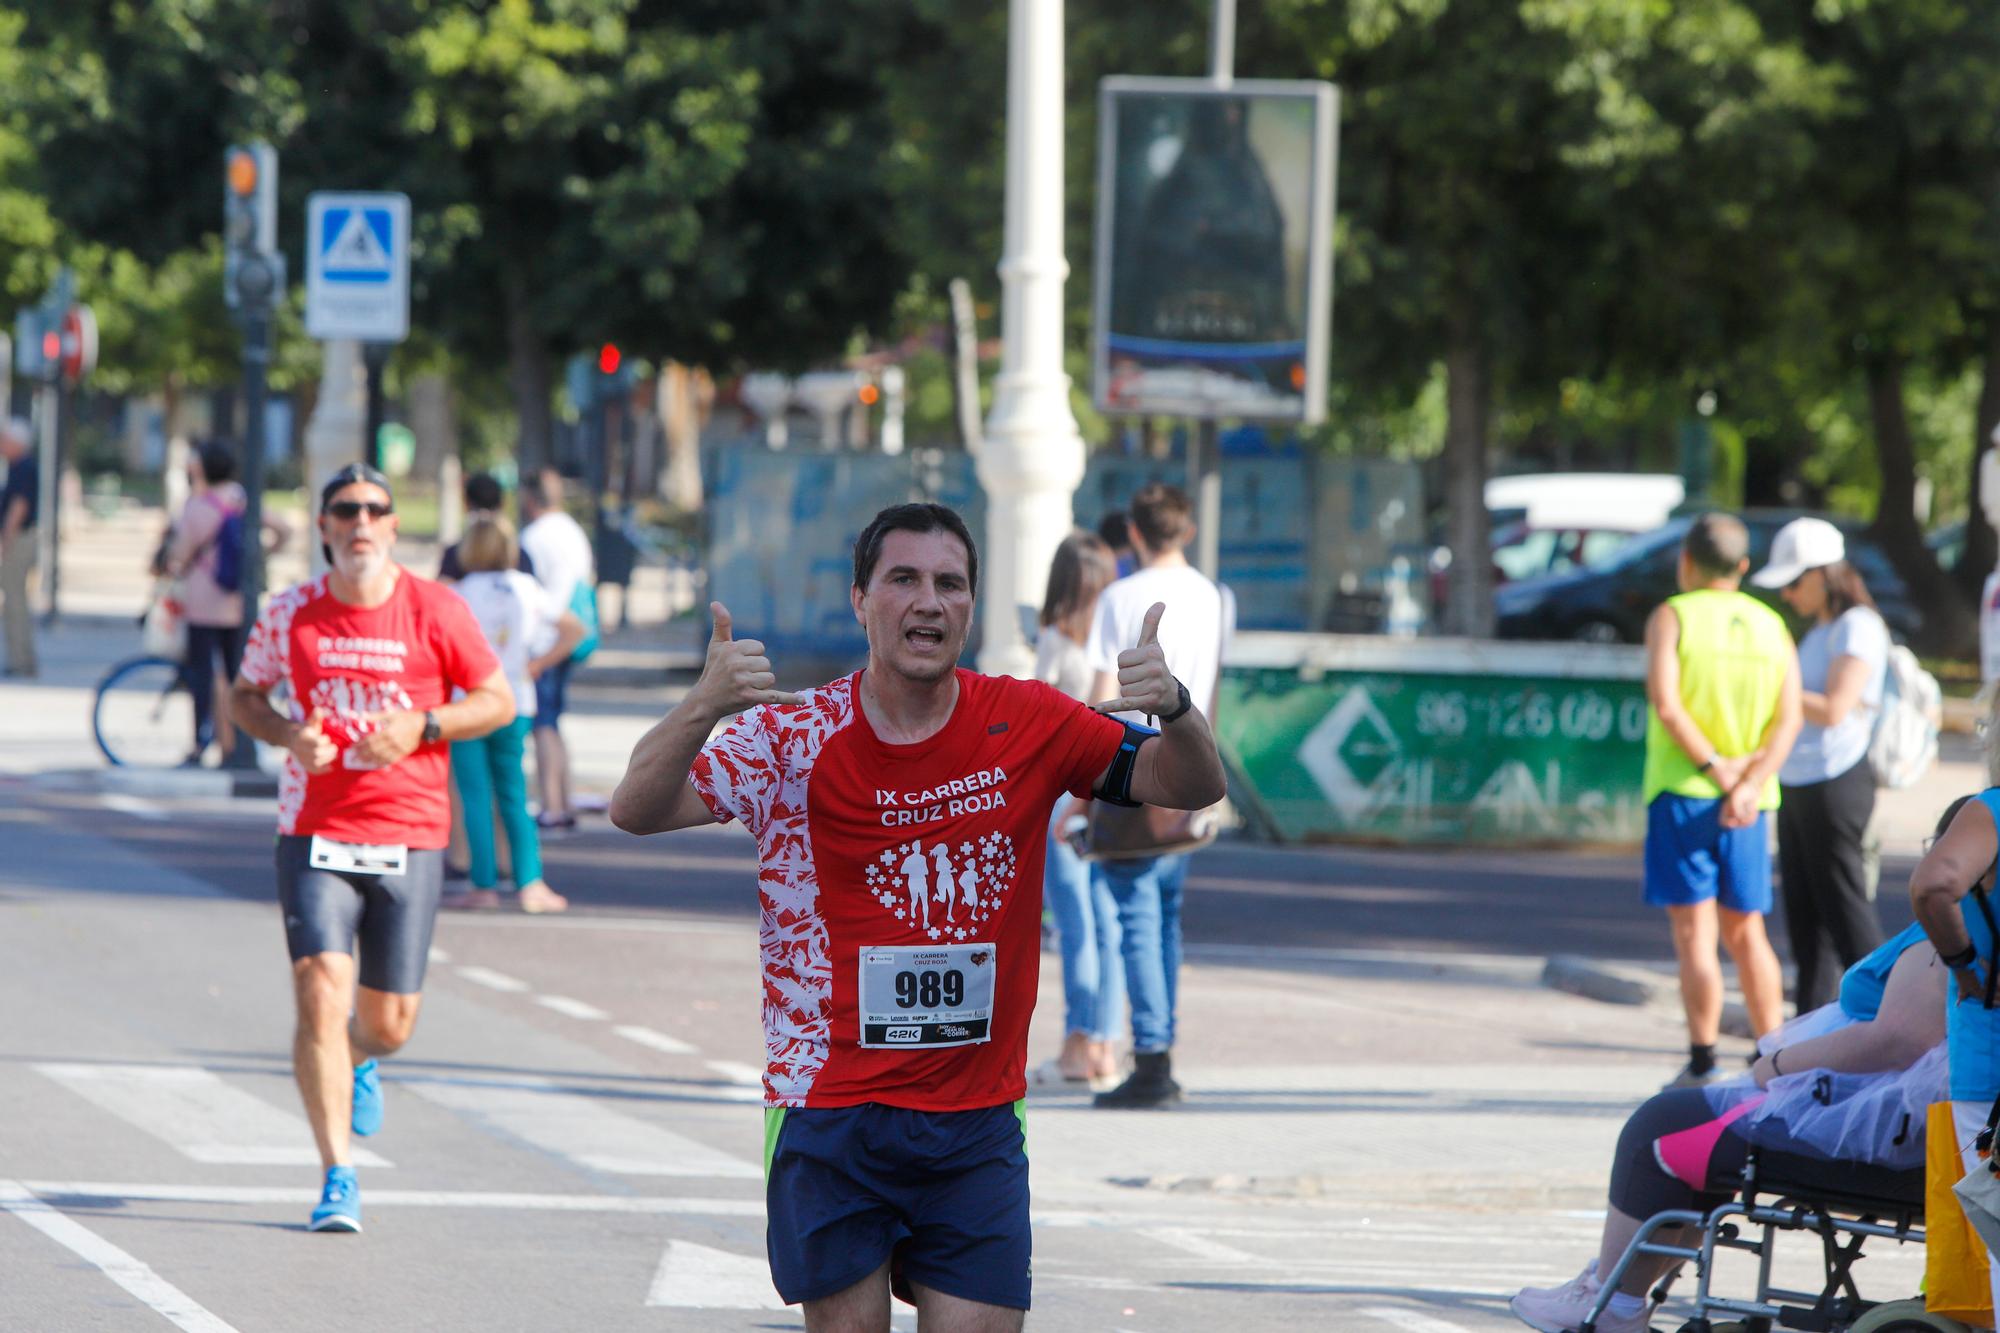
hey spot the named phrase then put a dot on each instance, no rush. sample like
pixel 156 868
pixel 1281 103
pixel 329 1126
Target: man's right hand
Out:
pixel 1728 773
pixel 1739 807
pixel 737 675
pixel 310 746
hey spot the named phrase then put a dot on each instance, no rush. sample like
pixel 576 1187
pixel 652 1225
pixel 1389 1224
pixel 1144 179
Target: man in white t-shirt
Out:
pixel 1148 890
pixel 556 544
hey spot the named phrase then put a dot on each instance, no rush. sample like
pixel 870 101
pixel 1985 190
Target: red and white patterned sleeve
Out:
pixel 264 655
pixel 737 774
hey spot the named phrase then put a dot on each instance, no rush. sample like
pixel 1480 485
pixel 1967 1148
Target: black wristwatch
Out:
pixel 1963 959
pixel 433 730
pixel 1186 703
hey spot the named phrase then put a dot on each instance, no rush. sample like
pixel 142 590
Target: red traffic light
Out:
pixel 51 346
pixel 869 395
pixel 608 359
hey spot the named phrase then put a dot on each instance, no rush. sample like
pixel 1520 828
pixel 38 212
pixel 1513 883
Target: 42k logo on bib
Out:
pixel 944 889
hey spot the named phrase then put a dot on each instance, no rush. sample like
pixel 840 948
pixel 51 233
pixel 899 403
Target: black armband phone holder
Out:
pixel 1117 788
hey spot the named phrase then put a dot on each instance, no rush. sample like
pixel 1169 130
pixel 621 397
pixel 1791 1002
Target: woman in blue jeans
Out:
pixel 518 618
pixel 1086 918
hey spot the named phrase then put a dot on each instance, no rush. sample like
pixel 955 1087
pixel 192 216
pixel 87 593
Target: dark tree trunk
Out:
pixel 1982 550
pixel 531 376
pixel 1949 626
pixel 1469 602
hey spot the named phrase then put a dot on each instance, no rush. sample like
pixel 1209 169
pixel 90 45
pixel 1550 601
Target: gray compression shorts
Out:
pixel 327 911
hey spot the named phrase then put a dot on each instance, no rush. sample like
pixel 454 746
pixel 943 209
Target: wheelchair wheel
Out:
pixel 143 717
pixel 1904 1317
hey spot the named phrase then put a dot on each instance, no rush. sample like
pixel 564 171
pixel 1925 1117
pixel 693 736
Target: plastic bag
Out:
pixel 1955 1262
pixel 164 628
pixel 1878 1118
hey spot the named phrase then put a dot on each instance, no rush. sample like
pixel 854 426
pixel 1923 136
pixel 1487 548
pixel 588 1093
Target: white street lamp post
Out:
pixel 1032 459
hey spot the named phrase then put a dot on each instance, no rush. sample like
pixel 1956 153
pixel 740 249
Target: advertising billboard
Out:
pixel 1214 282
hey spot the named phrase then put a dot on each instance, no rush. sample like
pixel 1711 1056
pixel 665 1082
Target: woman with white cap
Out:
pixel 1828 786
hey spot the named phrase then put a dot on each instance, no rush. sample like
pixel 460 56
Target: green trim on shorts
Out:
pixel 1021 1114
pixel 774 1120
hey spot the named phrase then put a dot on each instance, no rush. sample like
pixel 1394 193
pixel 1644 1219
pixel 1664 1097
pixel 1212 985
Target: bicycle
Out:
pixel 142 715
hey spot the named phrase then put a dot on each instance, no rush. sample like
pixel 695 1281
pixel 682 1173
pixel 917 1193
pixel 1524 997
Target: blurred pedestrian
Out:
pixel 1829 787
pixel 483 497
pixel 563 563
pixel 20 504
pixel 204 552
pixel 1723 684
pixel 1086 916
pixel 1115 531
pixel 530 635
pixel 1147 889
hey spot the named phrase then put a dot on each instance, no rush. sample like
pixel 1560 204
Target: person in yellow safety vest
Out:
pixel 1722 682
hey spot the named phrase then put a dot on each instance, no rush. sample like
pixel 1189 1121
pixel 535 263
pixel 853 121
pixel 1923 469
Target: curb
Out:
pixel 1632 984
pixel 178 783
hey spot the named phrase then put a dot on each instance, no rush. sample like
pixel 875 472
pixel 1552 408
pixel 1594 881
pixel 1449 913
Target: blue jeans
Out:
pixel 1148 897
pixel 1087 929
pixel 488 771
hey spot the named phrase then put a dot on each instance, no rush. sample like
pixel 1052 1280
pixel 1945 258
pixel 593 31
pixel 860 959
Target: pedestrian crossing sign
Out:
pixel 358 266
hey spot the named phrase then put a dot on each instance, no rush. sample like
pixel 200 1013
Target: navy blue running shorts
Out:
pixel 944 1194
pixel 391 916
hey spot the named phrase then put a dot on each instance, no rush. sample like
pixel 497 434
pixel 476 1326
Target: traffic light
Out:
pixel 253 275
pixel 608 359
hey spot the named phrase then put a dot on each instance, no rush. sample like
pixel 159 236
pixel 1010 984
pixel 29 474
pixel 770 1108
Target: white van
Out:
pixel 1548 522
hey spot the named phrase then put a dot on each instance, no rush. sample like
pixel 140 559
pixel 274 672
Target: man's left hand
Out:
pixel 1144 683
pixel 1739 807
pixel 395 737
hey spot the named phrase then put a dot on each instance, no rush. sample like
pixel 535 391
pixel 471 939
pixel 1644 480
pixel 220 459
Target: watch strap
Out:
pixel 433 729
pixel 1187 702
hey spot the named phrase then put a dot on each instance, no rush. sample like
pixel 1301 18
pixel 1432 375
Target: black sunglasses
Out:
pixel 349 510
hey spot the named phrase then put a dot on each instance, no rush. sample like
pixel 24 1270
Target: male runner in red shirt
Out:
pixel 371 656
pixel 900 816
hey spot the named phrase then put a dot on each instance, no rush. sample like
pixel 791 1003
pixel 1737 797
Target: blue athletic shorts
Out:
pixel 552 694
pixel 944 1194
pixel 1691 858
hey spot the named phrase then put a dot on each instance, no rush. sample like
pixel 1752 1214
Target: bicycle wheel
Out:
pixel 143 717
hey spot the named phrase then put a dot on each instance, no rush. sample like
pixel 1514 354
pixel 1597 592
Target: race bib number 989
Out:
pixel 927 997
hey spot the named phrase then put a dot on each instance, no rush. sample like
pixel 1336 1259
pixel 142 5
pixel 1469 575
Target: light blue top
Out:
pixel 1862 985
pixel 1972 1031
pixel 1824 753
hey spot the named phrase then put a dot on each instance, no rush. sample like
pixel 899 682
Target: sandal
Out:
pixel 470 900
pixel 538 898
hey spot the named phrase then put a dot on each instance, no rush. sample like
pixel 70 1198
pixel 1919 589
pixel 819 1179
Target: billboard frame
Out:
pixel 1318 330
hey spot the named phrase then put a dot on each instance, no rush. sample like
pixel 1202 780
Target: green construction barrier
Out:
pixel 1369 739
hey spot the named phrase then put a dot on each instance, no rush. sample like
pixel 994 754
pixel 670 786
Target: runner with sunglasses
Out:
pixel 382 669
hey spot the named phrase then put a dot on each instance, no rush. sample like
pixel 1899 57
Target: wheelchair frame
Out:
pixel 1841 1221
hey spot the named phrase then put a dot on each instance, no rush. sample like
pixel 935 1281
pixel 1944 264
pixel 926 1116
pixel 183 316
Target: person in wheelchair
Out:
pixel 1846 1083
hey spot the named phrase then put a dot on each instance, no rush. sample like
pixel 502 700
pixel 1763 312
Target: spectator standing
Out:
pixel 1086 917
pixel 1147 890
pixel 1115 530
pixel 483 498
pixel 20 503
pixel 1723 684
pixel 561 554
pixel 530 634
pixel 205 553
pixel 1829 786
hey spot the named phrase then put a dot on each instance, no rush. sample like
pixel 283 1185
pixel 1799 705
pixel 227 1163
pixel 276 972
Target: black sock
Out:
pixel 1701 1059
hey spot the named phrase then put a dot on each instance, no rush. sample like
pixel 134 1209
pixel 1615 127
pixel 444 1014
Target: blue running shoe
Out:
pixel 367 1098
pixel 339 1203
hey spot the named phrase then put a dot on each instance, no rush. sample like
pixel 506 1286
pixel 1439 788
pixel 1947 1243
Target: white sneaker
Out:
pixel 1561 1309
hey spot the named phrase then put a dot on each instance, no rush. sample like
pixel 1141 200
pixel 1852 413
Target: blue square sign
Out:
pixel 358 266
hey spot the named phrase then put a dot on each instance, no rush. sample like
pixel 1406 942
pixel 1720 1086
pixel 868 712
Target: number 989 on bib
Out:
pixel 926 997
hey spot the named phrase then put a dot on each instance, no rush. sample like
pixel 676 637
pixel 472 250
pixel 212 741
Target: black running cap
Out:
pixel 348 476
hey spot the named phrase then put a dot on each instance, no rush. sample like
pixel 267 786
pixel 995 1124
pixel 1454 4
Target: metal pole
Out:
pixel 1205 469
pixel 374 356
pixel 1222 45
pixel 256 359
pixel 47 533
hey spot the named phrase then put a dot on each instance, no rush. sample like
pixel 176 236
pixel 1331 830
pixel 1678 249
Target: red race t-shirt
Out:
pixel 351 662
pixel 901 886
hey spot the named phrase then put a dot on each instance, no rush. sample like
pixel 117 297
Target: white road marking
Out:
pixel 657 1041
pixel 159 1295
pixel 199 1115
pixel 132 805
pixel 1201 1247
pixel 695 1277
pixel 257 1195
pixel 500 981
pixel 582 1129
pixel 439 955
pixel 1411 1321
pixel 563 1004
pixel 737 1072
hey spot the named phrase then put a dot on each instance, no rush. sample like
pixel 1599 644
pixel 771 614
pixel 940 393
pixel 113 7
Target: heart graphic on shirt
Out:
pixel 945 889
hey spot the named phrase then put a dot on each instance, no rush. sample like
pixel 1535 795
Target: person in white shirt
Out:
pixel 532 635
pixel 1148 890
pixel 1827 784
pixel 561 554
pixel 1086 917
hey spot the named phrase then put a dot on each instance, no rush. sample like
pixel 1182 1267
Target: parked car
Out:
pixel 1608 602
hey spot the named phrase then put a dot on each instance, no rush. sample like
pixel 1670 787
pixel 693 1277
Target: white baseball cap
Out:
pixel 1802 544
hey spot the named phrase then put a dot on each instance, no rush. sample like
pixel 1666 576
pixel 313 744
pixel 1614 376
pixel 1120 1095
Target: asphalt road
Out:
pixel 1391 1124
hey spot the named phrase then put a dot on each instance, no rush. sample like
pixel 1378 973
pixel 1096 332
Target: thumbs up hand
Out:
pixel 1144 683
pixel 310 745
pixel 737 675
